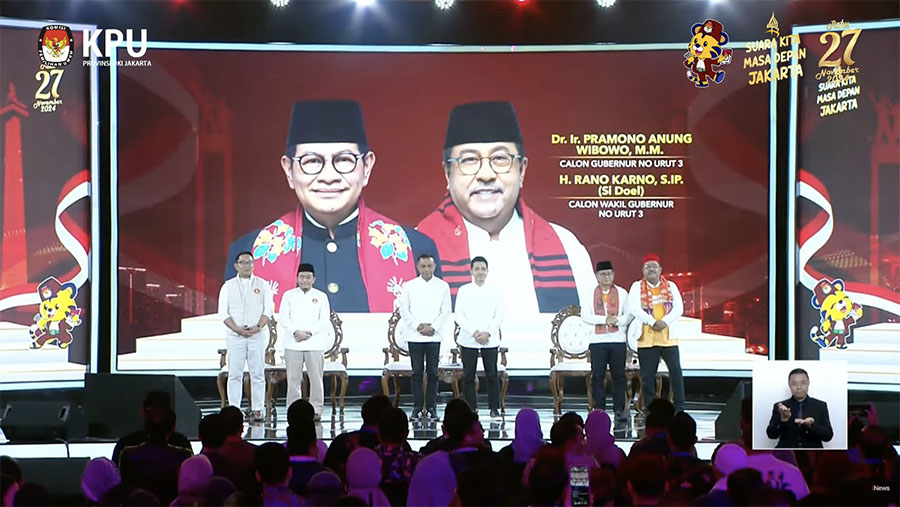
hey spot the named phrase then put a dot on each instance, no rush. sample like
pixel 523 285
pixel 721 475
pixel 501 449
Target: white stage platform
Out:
pixel 18 363
pixel 873 357
pixel 194 347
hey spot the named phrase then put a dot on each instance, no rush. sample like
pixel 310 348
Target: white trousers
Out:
pixel 315 365
pixel 252 351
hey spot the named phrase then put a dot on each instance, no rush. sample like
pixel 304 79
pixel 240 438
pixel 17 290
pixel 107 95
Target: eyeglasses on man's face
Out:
pixel 244 263
pixel 314 163
pixel 469 164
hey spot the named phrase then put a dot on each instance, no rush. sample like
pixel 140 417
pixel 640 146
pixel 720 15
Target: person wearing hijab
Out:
pixel 364 477
pixel 195 472
pixel 515 456
pixel 100 475
pixel 433 483
pixel 600 442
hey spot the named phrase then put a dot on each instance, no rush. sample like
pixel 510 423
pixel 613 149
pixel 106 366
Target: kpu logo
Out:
pixel 113 39
pixel 56 46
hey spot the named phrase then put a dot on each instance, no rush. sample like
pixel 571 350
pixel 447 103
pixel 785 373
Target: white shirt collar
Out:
pixel 512 228
pixel 350 217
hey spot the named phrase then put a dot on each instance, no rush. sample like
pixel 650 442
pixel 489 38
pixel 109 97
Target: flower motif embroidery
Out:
pixel 395 287
pixel 391 240
pixel 274 240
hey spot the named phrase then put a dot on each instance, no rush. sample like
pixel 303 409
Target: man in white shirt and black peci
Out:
pixel 424 309
pixel 245 305
pixel 610 317
pixel 306 316
pixel 479 313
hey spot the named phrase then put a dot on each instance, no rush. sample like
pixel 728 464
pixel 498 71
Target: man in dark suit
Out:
pixel 361 256
pixel 800 421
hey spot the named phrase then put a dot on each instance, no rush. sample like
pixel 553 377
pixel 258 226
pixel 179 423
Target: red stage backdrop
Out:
pixel 848 202
pixel 201 132
pixel 46 208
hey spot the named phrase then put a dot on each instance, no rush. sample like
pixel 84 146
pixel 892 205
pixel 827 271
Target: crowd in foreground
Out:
pixel 376 466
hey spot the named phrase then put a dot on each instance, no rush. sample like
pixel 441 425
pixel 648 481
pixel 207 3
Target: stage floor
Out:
pixel 334 424
pixel 499 432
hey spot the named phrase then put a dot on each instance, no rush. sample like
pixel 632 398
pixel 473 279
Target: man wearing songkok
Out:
pixel 245 305
pixel 363 257
pixel 306 317
pixel 609 315
pixel 479 313
pixel 541 266
pixel 424 309
pixel 655 303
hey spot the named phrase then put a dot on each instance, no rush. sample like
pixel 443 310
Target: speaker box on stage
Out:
pixel 728 423
pixel 43 421
pixel 113 403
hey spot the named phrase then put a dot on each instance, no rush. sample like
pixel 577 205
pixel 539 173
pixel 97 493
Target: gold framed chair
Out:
pixel 275 372
pixel 396 360
pixel 397 364
pixel 337 370
pixel 570 356
pixel 453 373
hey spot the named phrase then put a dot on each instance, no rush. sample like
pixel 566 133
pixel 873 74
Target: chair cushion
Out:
pixel 572 366
pixel 399 366
pixel 334 367
pixel 574 335
pixel 224 369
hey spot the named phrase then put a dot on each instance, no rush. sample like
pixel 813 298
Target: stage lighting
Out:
pixel 365 3
pixel 280 3
pixel 443 4
pixel 606 3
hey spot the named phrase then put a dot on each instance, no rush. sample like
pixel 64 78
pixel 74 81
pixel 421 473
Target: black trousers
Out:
pixel 612 354
pixel 424 358
pixel 649 358
pixel 470 365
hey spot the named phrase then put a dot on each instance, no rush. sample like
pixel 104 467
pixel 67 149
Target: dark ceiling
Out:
pixel 481 22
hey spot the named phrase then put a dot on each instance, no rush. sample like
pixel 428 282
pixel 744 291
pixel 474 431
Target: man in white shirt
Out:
pixel 656 303
pixel 246 305
pixel 424 309
pixel 479 313
pixel 610 317
pixel 541 266
pixel 306 316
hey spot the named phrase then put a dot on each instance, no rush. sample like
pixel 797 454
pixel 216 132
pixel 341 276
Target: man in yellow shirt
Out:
pixel 656 303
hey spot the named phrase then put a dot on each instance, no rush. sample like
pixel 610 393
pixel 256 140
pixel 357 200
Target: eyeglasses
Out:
pixel 469 165
pixel 244 263
pixel 313 163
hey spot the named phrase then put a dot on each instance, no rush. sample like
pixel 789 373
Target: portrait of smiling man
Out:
pixel 541 266
pixel 361 256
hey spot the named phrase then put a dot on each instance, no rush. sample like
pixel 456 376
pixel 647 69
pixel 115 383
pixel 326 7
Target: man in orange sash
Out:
pixel 656 303
pixel 610 317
